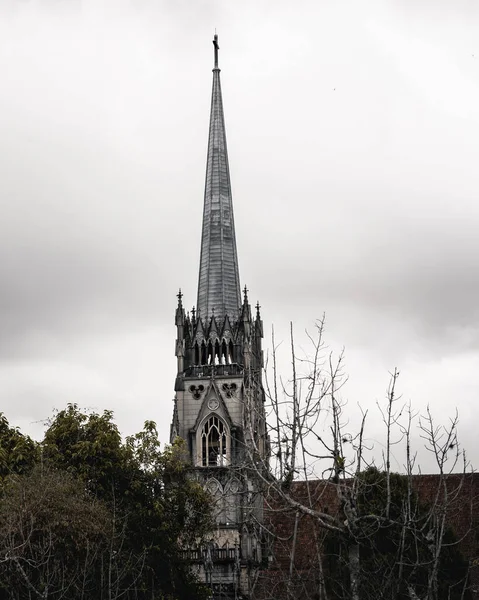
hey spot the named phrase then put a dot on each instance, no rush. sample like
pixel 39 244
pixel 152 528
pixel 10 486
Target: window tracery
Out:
pixel 196 391
pixel 229 389
pixel 214 443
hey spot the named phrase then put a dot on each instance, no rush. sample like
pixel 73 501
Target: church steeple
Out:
pixel 219 397
pixel 218 284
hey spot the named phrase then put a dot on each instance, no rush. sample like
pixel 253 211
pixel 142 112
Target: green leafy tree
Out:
pixel 53 536
pixel 154 503
pixel 88 446
pixel 88 515
pixel 18 452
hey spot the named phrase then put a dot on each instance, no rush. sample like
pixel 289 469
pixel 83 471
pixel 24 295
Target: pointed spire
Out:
pixel 213 325
pixel 218 284
pixel 180 312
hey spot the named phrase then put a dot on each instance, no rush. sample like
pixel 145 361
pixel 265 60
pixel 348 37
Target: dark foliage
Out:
pixel 86 515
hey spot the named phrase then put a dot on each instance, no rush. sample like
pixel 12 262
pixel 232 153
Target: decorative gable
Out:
pixel 213 402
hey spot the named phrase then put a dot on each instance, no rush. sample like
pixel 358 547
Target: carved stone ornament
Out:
pixel 213 404
pixel 196 391
pixel 229 389
pixel 234 486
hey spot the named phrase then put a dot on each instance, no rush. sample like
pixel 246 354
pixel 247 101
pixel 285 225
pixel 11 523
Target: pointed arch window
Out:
pixel 197 353
pixel 224 353
pixel 214 443
pixel 211 354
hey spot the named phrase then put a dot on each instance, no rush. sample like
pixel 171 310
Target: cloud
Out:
pixel 352 132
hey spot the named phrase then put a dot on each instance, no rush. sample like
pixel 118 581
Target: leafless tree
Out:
pixel 344 524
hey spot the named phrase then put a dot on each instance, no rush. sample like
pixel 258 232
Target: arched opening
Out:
pixel 231 352
pixel 211 357
pixel 214 443
pixel 217 353
pixel 224 353
pixel 197 354
pixel 203 353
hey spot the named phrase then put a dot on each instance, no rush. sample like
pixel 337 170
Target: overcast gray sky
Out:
pixel 353 132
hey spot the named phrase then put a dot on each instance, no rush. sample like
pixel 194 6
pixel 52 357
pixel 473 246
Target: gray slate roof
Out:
pixel 218 285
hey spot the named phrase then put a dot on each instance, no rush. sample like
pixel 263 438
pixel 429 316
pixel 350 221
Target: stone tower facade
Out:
pixel 219 400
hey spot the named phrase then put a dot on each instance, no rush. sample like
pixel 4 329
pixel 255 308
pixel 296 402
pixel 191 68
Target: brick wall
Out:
pixel 294 535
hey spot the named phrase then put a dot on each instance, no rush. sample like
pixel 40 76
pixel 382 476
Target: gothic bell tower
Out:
pixel 219 400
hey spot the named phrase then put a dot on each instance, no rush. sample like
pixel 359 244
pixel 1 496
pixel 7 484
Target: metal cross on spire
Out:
pixel 215 44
